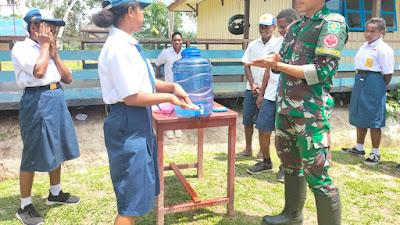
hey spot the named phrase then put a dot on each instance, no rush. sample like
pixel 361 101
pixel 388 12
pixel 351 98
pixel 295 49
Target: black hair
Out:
pixel 327 1
pixel 176 33
pixel 289 14
pixel 114 15
pixel 36 22
pixel 380 22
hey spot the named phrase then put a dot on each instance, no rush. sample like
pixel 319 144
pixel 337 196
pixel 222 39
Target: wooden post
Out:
pixel 293 4
pixel 376 8
pixel 246 18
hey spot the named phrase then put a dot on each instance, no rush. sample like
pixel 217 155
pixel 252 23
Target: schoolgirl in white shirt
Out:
pixel 374 63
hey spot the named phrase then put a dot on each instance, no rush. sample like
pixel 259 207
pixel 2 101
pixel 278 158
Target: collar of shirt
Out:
pixel 173 50
pixel 319 15
pixel 269 41
pixel 31 42
pixel 374 43
pixel 123 35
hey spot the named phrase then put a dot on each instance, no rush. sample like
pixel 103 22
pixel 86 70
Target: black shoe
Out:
pixel 28 215
pixel 280 176
pixel 63 198
pixel 353 151
pixel 372 160
pixel 259 168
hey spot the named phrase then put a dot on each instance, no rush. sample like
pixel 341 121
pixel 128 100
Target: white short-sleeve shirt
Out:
pixel 24 56
pixel 270 91
pixel 122 70
pixel 377 56
pixel 257 49
pixel 168 57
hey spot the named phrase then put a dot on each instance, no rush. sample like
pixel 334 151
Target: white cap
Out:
pixel 267 19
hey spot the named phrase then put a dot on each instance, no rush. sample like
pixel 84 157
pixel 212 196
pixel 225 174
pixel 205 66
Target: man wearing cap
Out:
pixel 257 49
pixel 47 129
pixel 308 61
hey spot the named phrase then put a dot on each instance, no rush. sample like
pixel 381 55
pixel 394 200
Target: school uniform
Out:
pixel 47 130
pixel 256 50
pixel 368 98
pixel 266 122
pixel 128 130
pixel 168 57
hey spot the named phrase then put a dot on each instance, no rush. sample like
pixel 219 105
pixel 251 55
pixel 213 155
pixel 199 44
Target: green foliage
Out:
pixel 155 24
pixel 393 104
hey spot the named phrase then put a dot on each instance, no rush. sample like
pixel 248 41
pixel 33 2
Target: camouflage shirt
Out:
pixel 316 44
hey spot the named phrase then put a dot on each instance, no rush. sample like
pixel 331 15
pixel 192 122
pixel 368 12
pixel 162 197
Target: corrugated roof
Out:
pixel 184 5
pixel 7 27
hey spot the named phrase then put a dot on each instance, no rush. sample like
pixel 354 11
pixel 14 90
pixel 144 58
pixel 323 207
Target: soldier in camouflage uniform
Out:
pixel 308 61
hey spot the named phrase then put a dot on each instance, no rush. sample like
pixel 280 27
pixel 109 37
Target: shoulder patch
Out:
pixel 331 41
pixel 333 27
pixel 335 17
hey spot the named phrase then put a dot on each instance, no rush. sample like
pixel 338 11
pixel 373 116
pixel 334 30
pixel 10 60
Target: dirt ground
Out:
pixel 93 151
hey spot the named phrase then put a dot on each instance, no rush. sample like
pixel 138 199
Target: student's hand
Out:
pixel 43 37
pixel 255 89
pixel 259 101
pixel 270 61
pixel 53 46
pixel 183 97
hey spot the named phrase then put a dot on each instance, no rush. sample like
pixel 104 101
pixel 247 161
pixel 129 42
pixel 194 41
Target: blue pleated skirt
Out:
pixel 47 131
pixel 133 158
pixel 368 101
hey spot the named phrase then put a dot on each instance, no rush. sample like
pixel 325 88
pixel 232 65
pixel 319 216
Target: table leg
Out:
pixel 160 197
pixel 200 141
pixel 231 167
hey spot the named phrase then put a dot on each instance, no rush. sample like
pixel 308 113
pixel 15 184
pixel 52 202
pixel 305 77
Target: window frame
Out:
pixel 362 12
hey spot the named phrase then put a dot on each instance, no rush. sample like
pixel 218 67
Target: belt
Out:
pixel 365 71
pixel 44 87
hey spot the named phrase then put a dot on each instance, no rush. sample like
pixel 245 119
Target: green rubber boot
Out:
pixel 295 196
pixel 328 209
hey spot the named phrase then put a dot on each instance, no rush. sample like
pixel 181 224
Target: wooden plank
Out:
pixel 229 87
pixel 185 184
pixel 192 206
pixel 217 54
pixel 228 70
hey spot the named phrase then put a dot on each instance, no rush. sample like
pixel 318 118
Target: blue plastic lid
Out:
pixel 190 52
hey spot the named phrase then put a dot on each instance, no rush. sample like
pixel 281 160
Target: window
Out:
pixel 357 12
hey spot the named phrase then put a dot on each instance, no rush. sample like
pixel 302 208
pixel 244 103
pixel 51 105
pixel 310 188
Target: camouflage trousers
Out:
pixel 303 145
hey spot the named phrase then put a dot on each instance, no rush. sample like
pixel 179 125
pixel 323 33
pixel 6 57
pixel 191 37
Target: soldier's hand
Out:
pixel 43 36
pixel 269 61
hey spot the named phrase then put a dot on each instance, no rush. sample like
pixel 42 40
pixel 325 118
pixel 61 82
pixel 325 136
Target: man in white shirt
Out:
pixel 258 48
pixel 168 57
pixel 266 100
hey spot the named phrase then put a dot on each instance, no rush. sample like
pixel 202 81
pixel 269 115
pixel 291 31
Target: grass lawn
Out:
pixel 369 195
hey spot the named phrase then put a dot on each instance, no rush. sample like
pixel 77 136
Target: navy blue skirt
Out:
pixel 368 101
pixel 133 158
pixel 47 131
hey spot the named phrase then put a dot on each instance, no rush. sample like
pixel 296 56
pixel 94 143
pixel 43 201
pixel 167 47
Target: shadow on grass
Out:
pixel 242 164
pixel 9 207
pixel 385 167
pixel 202 216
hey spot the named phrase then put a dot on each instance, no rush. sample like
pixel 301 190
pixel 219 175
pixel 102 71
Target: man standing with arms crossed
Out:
pixel 308 61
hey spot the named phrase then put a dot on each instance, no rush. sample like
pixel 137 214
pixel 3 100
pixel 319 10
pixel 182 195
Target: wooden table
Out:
pixel 164 122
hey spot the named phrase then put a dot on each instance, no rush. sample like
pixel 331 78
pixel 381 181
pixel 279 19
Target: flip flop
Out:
pixel 241 155
pixel 259 158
